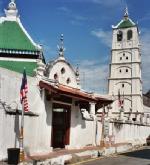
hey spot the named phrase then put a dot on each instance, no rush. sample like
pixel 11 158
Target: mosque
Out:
pixel 61 114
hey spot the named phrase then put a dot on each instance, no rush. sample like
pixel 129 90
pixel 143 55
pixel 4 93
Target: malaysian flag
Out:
pixel 23 92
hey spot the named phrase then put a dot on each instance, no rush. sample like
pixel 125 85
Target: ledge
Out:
pixel 19 112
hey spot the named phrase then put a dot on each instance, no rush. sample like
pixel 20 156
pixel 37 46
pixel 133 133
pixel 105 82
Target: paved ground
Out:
pixel 141 157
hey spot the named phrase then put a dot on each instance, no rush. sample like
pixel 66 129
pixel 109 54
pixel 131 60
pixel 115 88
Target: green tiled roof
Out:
pixel 18 66
pixel 13 37
pixel 126 24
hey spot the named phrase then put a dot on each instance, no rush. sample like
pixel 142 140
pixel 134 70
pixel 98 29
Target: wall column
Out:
pixel 92 112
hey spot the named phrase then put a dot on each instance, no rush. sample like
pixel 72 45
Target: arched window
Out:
pixel 68 80
pixel 119 36
pixel 129 35
pixel 55 76
pixel 63 70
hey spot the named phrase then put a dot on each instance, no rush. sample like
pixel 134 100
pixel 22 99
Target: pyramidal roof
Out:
pixel 14 39
pixel 126 22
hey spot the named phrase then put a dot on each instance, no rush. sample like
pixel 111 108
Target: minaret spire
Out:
pixel 126 14
pixel 61 48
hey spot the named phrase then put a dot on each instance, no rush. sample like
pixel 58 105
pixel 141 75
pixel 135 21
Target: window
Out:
pixel 62 70
pixel 68 80
pixel 120 70
pixel 129 35
pixel 55 76
pixel 122 85
pixel 126 58
pixel 119 36
pixel 123 54
pixel 120 58
pixel 126 70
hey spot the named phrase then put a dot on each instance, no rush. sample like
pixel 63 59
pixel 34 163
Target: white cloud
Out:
pixel 146 17
pixel 75 19
pixel 78 19
pixel 104 36
pixel 145 40
pixel 64 9
pixel 93 76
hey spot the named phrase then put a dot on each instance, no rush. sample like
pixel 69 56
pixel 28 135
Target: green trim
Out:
pixel 18 66
pixel 13 37
pixel 126 24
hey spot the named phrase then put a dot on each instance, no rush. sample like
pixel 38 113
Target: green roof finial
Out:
pixel 126 14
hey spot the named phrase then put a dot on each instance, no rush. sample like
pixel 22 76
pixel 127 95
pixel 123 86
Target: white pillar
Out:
pixel 138 117
pixel 92 112
pixel 40 68
pixel 92 108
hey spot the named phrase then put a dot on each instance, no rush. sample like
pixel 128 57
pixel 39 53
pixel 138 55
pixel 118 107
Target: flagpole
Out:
pixel 21 156
pixel 23 94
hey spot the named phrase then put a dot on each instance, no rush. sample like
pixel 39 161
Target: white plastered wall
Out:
pixel 83 133
pixel 129 133
pixel 37 130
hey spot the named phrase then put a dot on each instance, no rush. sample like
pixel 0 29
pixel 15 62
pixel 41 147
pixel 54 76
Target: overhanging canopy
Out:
pixel 79 95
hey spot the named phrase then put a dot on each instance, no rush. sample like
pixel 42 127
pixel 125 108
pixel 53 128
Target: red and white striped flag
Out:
pixel 23 92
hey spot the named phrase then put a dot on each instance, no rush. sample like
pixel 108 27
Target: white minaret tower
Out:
pixel 125 69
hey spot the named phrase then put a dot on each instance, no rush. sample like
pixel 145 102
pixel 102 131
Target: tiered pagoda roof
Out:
pixel 17 49
pixel 14 39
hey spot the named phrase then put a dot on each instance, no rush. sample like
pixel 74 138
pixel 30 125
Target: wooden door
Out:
pixel 60 125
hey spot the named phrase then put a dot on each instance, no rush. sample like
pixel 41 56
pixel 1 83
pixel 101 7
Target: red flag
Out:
pixel 24 91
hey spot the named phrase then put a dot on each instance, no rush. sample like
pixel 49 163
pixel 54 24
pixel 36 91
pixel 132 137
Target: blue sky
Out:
pixel 86 25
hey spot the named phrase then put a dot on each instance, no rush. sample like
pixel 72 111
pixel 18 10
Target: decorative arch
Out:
pixel 124 67
pixel 124 55
pixel 129 52
pixel 123 82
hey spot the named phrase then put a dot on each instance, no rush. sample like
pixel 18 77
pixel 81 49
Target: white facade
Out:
pixel 38 122
pixel 38 129
pixel 125 68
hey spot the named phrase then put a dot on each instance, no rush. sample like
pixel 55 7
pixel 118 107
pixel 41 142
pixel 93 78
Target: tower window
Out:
pixel 120 70
pixel 123 54
pixel 119 36
pixel 55 76
pixel 120 58
pixel 122 85
pixel 126 70
pixel 62 70
pixel 68 80
pixel 126 58
pixel 129 35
